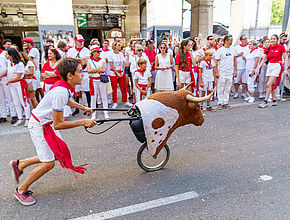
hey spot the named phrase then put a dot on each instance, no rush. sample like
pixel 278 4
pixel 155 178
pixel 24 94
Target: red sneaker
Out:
pixel 24 198
pixel 15 171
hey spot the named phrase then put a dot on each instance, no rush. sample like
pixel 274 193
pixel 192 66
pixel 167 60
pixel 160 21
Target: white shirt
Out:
pixel 29 64
pixel 250 59
pixel 95 65
pixel 54 100
pixel 105 55
pixel 3 64
pixel 134 62
pixel 34 53
pixel 226 63
pixel 14 69
pixel 143 80
pixel 241 64
pixel 118 61
pixel 83 53
pixel 62 53
pixel 207 71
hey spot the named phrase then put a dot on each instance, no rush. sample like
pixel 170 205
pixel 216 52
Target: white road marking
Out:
pixel 265 178
pixel 140 207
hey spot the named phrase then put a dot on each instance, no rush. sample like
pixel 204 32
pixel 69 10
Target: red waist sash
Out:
pixel 92 90
pixel 24 90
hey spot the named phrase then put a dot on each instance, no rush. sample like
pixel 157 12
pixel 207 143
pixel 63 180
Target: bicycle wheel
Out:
pixel 148 163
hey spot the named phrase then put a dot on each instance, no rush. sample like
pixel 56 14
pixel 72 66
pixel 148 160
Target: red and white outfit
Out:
pixel 34 53
pixel 241 63
pixel 143 80
pixel 47 141
pixel 4 90
pixel 83 52
pixel 96 85
pixel 19 90
pixel 185 76
pixel 151 56
pixel 31 80
pixel 275 67
pixel 118 62
pixel 105 55
pixel 48 82
pixel 226 58
pixel 250 61
pixel 207 74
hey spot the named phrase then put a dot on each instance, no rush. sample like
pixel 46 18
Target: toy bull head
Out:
pixel 180 108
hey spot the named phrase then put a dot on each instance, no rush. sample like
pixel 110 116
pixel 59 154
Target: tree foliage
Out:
pixel 277 11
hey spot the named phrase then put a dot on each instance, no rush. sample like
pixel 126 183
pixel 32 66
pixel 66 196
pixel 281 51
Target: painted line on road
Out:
pixel 140 207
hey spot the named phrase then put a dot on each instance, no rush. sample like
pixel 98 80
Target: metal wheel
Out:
pixel 148 163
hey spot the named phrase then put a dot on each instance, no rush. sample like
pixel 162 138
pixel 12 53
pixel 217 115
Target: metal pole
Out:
pixel 286 15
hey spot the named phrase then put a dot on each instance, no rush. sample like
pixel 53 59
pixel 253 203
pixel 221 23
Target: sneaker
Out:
pixel 243 95
pixel 273 103
pixel 94 115
pixel 220 107
pixel 251 99
pixel 14 120
pixel 24 198
pixel 115 105
pixel 264 104
pixel 261 96
pixel 16 173
pixel 106 115
pixel 128 104
pixel 209 108
pixel 19 122
pixel 247 98
pixel 227 106
pixel 26 123
pixel 2 120
pixel 236 95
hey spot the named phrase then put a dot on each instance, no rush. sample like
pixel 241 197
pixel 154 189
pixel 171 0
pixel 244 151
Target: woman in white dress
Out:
pixel 163 64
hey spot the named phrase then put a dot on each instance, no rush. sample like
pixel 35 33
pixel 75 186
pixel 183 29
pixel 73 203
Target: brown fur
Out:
pixel 189 112
pixel 158 123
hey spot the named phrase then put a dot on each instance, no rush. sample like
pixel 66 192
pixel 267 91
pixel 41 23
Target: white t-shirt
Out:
pixel 134 62
pixel 74 53
pixel 3 64
pixel 62 53
pixel 118 61
pixel 241 64
pixel 105 55
pixel 226 61
pixel 29 64
pixel 207 71
pixel 95 65
pixel 14 69
pixel 54 100
pixel 34 53
pixel 250 59
pixel 143 80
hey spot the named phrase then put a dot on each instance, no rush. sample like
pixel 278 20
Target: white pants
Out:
pixel 263 80
pixel 37 83
pixel 5 93
pixel 18 101
pixel 251 83
pixel 102 87
pixel 138 95
pixel 223 90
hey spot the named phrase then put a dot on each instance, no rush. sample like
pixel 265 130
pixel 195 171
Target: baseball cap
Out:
pixel 79 37
pixel 27 39
pixel 283 35
pixel 94 48
pixel 149 42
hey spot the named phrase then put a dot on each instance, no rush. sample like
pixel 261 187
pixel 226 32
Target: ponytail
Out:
pixel 183 58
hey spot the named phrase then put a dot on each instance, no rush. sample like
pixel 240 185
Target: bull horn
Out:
pixel 185 87
pixel 202 99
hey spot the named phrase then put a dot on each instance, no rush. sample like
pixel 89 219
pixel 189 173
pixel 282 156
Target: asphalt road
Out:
pixel 222 162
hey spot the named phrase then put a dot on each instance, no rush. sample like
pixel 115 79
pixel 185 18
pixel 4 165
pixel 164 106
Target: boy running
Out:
pixel 46 119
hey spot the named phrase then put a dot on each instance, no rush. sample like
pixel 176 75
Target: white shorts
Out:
pixel 241 76
pixel 207 86
pixel 31 84
pixel 184 77
pixel 274 69
pixel 43 151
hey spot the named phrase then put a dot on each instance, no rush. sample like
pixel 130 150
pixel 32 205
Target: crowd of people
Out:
pixel 140 69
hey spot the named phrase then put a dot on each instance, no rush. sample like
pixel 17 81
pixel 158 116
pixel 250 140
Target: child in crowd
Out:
pixel 142 77
pixel 207 76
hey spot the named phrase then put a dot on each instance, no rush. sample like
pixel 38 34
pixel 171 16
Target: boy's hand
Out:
pixel 143 92
pixel 89 111
pixel 89 123
pixel 201 84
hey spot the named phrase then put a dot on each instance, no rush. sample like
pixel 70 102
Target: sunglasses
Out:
pixel 162 47
pixel 140 50
pixel 98 51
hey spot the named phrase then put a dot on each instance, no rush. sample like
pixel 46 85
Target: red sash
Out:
pixel 92 90
pixel 143 87
pixel 24 90
pixel 119 71
pixel 278 80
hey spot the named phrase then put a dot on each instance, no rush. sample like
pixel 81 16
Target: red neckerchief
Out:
pixel 253 49
pixel 209 64
pixel 141 71
pixel 105 50
pixel 215 47
pixel 62 83
pixel 30 49
pixel 79 49
pixel 1 50
pixel 97 60
pixel 204 49
pixel 261 47
pixel 116 52
pixel 243 45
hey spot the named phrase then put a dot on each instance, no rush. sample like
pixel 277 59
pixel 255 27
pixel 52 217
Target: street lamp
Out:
pixel 3 13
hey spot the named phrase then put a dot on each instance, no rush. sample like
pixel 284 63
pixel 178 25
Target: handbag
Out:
pixel 103 78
